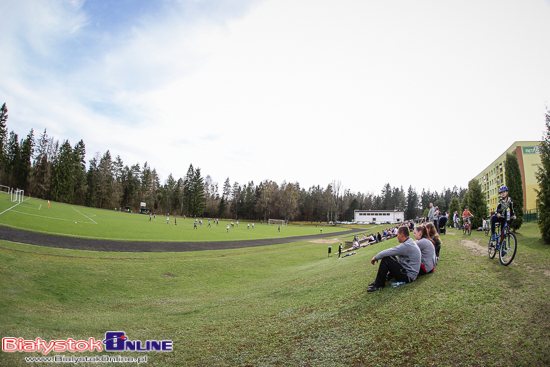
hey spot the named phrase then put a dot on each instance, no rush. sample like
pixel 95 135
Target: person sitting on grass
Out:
pixel 432 232
pixel 427 249
pixel 404 268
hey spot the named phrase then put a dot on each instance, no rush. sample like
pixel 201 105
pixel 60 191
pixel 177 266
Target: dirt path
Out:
pixel 40 239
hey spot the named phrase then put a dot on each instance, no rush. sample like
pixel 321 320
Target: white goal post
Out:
pixel 17 195
pixel 276 222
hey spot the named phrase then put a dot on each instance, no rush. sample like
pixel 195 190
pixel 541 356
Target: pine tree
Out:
pixel 13 156
pixel 543 177
pixel 42 167
pixel 92 186
pixel 63 180
pixel 188 191
pixel 105 181
pixel 79 173
pixel 199 199
pixel 23 169
pixel 476 203
pixel 387 197
pixel 515 189
pixel 3 134
pixel 412 204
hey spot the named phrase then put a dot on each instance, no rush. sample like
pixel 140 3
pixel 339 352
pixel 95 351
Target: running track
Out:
pixel 40 239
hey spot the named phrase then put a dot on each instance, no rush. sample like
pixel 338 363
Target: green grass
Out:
pixel 76 221
pixel 286 305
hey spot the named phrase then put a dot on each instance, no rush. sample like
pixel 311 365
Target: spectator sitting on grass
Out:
pixel 427 248
pixel 404 268
pixel 432 232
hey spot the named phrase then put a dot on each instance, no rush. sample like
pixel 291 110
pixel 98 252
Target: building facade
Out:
pixel 379 216
pixel 494 176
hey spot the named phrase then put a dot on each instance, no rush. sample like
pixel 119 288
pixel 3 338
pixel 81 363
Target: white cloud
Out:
pixel 355 91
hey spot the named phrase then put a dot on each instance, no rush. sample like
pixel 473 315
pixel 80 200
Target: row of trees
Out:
pixel 51 170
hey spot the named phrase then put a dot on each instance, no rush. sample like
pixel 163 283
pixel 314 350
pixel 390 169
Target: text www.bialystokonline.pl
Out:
pixel 96 359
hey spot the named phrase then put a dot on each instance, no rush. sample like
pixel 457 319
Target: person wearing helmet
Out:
pixel 504 204
pixel 466 215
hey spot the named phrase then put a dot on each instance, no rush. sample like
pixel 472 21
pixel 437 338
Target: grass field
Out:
pixel 284 305
pixel 59 219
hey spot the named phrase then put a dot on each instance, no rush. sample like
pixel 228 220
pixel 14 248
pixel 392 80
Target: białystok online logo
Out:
pixel 115 341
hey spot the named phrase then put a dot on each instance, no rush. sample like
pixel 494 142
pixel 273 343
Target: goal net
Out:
pixel 17 195
pixel 276 222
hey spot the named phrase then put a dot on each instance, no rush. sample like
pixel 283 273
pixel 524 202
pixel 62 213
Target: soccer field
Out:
pixel 283 305
pixel 83 222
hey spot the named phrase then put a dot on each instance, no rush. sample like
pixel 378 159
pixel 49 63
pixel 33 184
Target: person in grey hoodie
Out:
pixel 431 213
pixel 404 268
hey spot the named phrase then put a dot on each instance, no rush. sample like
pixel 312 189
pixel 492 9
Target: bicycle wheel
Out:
pixel 469 230
pixel 508 249
pixel 492 248
pixel 464 229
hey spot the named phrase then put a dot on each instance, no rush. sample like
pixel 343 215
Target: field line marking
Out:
pixel 84 215
pixel 9 208
pixel 44 216
pixel 40 207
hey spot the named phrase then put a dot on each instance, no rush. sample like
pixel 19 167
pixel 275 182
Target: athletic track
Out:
pixel 40 239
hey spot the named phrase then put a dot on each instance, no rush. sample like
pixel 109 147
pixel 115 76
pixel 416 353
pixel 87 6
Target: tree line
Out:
pixel 48 169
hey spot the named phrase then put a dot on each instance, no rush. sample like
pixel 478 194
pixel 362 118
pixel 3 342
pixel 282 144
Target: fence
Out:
pixel 530 215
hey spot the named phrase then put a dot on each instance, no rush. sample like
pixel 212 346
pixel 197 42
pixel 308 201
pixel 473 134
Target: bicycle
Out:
pixel 467 228
pixel 507 248
pixel 487 228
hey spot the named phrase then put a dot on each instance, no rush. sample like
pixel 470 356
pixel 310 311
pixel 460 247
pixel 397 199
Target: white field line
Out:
pixel 85 216
pixel 40 207
pixel 44 216
pixel 9 208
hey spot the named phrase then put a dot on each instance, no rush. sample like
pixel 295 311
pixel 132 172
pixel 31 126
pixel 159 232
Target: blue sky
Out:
pixel 361 92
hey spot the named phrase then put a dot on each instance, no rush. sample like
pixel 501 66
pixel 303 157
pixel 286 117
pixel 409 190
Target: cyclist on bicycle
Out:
pixel 504 204
pixel 466 215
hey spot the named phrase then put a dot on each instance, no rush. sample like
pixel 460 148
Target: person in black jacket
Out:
pixel 500 216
